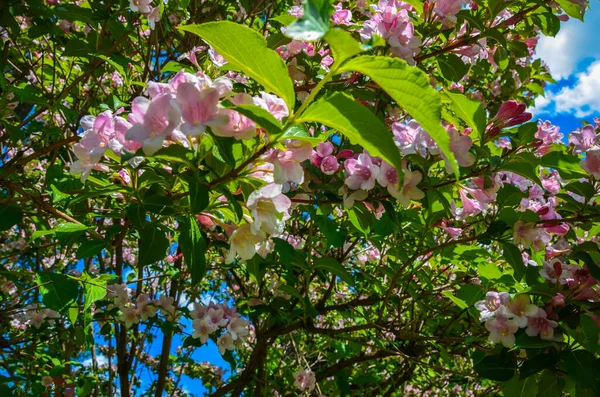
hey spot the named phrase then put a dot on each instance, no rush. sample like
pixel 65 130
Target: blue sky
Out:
pixel 574 60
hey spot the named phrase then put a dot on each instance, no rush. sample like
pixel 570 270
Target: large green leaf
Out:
pixel 334 266
pixel 94 288
pixel 314 22
pixel 584 367
pixel 512 255
pixel 501 368
pixel 153 245
pixel 58 291
pixel 342 45
pixel 90 248
pixel 524 164
pixel 247 51
pixel 193 247
pixel 469 111
pixel 341 112
pixel 572 9
pixel 567 165
pixel 199 198
pixel 9 216
pixel 410 88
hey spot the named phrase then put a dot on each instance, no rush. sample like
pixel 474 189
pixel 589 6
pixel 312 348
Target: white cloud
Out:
pixel 574 43
pixel 582 99
pixel 100 360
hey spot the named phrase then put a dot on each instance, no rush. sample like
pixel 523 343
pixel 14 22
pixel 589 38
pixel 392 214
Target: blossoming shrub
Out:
pixel 337 199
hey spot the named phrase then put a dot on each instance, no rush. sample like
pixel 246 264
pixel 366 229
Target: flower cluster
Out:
pixel 143 309
pixel 214 317
pixel 503 317
pixel 391 20
pixel 34 316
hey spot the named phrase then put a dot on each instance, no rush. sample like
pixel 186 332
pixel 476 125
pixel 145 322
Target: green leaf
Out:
pixel 90 248
pixel 314 22
pixel 500 368
pixel 572 9
pixel 584 367
pixel 300 132
pixel 193 247
pixel 342 45
pixel 469 111
pixel 58 291
pixel 341 112
pixel 332 265
pixel 417 5
pixel 520 388
pixel 458 302
pixel 489 271
pixel 410 88
pixel 524 164
pixel 247 50
pixel 276 40
pixel 260 116
pixel 501 58
pixel 550 385
pixel 67 231
pixel 9 216
pixel 94 289
pixel 199 198
pixel 470 293
pixel 567 165
pixel 537 364
pixel 284 19
pixel 176 153
pixel 512 255
pixel 333 231
pixel 361 218
pixel 451 67
pixel 153 245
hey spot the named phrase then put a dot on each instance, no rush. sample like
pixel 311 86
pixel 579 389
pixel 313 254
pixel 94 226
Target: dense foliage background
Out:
pixel 268 198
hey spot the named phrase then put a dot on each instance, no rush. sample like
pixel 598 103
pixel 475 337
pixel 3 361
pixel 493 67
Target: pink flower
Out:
pixel 275 105
pixel 243 242
pixel 198 109
pixel 361 173
pixel 268 207
pixel 592 163
pixel 540 325
pixel 225 342
pixel 287 163
pixel 341 16
pixel 152 121
pixel 238 328
pixel 409 190
pixel 304 379
pixel 494 304
pixel 583 139
pixel 448 9
pixel 142 6
pixel 502 330
pixel 323 150
pixel 459 145
pixel 520 308
pixel 548 134
pixel 530 236
pixel 239 126
pixel 329 165
pixel 216 318
pixel 202 329
pixel 118 143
